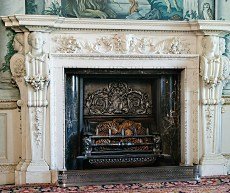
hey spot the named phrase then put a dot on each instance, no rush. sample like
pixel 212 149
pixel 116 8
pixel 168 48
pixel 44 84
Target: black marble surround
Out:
pixel 161 86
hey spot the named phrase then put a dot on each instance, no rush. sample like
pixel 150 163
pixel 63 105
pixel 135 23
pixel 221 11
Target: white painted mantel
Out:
pixel 97 43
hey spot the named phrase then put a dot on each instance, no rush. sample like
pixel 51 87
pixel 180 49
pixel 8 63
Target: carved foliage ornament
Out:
pixel 38 118
pixel 120 44
pixel 117 98
pixel 37 82
pixel 210 118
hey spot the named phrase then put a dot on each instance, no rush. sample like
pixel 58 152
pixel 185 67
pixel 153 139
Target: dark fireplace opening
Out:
pixel 122 118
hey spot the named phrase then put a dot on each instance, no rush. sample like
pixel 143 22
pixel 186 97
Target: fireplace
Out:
pixel 61 126
pixel 114 119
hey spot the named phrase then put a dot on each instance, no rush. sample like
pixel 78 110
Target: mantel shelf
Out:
pixel 52 23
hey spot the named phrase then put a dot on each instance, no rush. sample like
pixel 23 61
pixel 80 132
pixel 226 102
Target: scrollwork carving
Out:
pixel 117 98
pixel 120 44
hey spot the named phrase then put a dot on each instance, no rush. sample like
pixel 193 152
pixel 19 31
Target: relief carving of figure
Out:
pixel 210 60
pixel 225 62
pixel 37 69
pixel 210 67
pixel 89 8
pixel 37 79
pixel 18 59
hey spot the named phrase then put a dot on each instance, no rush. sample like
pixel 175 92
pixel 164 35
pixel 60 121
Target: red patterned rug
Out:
pixel 205 185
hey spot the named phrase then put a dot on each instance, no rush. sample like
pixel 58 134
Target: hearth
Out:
pixel 122 118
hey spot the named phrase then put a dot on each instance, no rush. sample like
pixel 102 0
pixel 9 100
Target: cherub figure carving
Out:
pixel 89 8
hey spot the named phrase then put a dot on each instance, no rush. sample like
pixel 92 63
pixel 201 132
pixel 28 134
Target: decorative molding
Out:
pixel 226 100
pixel 50 23
pixel 7 167
pixel 120 44
pixel 8 104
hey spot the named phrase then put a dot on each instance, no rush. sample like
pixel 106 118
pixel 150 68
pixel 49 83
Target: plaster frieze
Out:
pixel 119 44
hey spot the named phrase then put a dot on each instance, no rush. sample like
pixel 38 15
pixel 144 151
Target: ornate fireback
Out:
pixel 117 98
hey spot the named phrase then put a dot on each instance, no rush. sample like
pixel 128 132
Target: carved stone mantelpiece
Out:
pixel 85 43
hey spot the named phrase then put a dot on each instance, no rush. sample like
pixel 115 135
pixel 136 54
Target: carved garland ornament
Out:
pixel 120 44
pixel 37 82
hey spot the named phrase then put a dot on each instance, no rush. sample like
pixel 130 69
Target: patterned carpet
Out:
pixel 205 185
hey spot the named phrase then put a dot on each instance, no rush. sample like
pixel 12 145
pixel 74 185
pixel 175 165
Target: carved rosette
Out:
pixel 120 44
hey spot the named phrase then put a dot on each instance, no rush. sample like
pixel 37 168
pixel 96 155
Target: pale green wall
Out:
pixel 8 7
pixel 223 10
